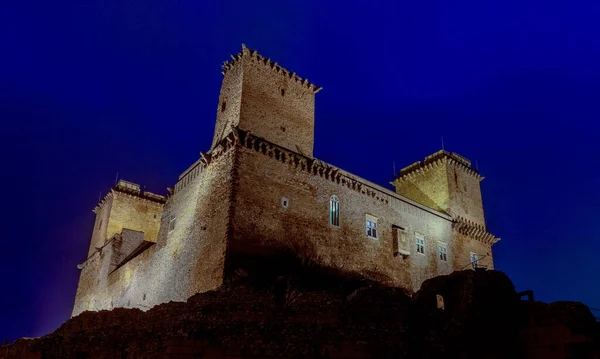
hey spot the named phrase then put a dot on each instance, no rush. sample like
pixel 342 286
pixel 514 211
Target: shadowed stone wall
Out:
pixel 269 175
pixel 186 260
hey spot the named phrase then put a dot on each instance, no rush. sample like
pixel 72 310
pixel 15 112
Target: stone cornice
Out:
pixel 436 160
pixel 322 169
pixel 247 53
pixel 473 230
pixel 314 166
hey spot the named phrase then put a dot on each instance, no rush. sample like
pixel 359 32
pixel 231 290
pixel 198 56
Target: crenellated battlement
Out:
pixel 253 54
pixel 435 160
pixel 131 189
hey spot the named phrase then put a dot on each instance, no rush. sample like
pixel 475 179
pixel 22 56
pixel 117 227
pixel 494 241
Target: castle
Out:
pixel 259 190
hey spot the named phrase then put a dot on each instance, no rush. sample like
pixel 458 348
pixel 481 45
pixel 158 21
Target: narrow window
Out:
pixel 100 224
pixel 334 211
pixel 223 105
pixel 171 223
pixel 474 259
pixel 420 241
pixel 443 253
pixel 285 202
pixel 371 226
pixel 282 92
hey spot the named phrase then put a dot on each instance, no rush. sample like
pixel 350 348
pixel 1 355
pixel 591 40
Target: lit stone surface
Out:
pixel 227 207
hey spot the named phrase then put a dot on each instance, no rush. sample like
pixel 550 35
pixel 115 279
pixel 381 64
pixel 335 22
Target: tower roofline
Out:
pixel 436 159
pixel 245 52
pixel 131 189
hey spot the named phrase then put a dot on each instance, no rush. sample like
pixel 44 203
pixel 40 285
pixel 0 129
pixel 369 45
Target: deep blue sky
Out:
pixel 89 89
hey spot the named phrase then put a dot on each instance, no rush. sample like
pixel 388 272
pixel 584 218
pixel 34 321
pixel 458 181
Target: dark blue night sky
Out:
pixel 89 89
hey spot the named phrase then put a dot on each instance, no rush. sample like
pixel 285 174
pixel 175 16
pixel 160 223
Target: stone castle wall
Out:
pixel 121 210
pixel 277 107
pixel 187 260
pixel 465 192
pixel 261 221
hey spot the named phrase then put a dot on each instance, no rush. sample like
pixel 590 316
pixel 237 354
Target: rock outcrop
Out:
pixel 314 314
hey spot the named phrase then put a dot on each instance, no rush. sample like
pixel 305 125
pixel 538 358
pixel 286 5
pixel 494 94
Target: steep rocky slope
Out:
pixel 312 312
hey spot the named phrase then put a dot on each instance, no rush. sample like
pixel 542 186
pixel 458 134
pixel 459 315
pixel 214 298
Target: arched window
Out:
pixel 334 211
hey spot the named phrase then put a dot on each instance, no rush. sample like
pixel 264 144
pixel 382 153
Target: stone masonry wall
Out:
pixel 429 188
pixel 465 194
pixel 260 96
pixel 464 245
pixel 445 182
pixel 261 222
pixel 135 213
pixel 230 99
pixel 100 232
pixel 277 107
pixel 188 260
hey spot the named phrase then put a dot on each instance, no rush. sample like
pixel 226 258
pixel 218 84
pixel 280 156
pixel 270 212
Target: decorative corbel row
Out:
pixel 103 202
pixel 267 62
pixel 308 164
pixel 473 230
pixel 205 158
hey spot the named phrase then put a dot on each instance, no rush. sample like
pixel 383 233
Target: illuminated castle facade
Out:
pixel 259 189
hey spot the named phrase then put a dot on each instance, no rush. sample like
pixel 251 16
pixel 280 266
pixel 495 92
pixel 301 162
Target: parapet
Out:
pixel 132 189
pixel 436 159
pixel 247 53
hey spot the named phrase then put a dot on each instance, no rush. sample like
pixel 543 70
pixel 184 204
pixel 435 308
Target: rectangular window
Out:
pixel 171 223
pixel 443 253
pixel 420 242
pixel 334 211
pixel 371 226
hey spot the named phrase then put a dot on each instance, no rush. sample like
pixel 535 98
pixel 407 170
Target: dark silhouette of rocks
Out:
pixel 302 310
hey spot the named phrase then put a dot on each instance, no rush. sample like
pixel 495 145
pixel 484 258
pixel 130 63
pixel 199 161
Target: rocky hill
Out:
pixel 312 312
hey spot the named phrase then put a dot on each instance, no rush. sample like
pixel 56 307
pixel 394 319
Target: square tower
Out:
pixel 260 96
pixel 445 182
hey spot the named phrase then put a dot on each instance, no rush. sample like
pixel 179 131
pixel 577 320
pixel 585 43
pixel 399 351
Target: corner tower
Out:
pixel 259 96
pixel 126 206
pixel 446 182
